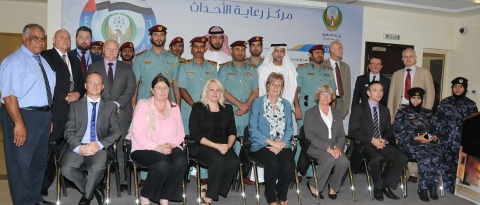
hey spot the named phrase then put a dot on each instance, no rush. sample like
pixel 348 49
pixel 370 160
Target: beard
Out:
pixel 157 44
pixel 255 53
pixel 215 47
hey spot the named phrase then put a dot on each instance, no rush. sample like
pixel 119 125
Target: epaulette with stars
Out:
pixel 302 65
pixel 140 53
pixel 186 61
pixel 226 63
pixel 211 62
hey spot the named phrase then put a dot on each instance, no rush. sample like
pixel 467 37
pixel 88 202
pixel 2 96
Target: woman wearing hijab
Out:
pixel 449 123
pixel 413 128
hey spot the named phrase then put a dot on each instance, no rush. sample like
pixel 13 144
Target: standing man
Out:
pixel 360 90
pixel 217 48
pixel 176 47
pixel 27 83
pixel 127 52
pixel 149 64
pixel 83 39
pixel 69 88
pixel 92 127
pixel 256 48
pixel 370 124
pixel 341 71
pixel 119 88
pixel 97 48
pixel 404 79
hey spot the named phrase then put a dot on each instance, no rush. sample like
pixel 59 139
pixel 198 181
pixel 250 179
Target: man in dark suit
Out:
pixel 119 88
pixel 360 90
pixel 91 128
pixel 370 124
pixel 69 88
pixel 83 39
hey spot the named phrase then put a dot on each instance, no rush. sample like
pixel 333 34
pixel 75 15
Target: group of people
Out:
pixel 157 99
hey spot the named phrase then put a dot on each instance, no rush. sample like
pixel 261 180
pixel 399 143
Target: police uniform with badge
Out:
pixel 309 78
pixel 239 81
pixel 148 64
pixel 250 60
pixel 192 77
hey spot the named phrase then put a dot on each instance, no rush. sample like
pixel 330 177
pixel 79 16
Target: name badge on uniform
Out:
pixel 148 62
pixel 231 73
pixel 207 72
pixel 326 75
pixel 311 74
pixel 190 71
pixel 412 117
pixel 248 74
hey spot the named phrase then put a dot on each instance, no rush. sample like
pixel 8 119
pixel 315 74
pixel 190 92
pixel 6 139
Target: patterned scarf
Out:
pixel 276 118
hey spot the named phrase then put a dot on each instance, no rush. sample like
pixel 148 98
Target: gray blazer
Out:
pixel 123 87
pixel 107 123
pixel 346 81
pixel 316 131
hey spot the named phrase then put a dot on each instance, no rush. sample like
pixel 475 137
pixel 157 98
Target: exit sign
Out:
pixel 391 36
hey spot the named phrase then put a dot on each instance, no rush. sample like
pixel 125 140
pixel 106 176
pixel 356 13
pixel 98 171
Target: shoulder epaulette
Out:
pixel 302 65
pixel 248 63
pixel 186 61
pixel 140 53
pixel 226 63
pixel 211 62
pixel 327 66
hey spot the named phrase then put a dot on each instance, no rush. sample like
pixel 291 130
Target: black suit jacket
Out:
pixel 202 125
pixel 361 123
pixel 360 90
pixel 62 87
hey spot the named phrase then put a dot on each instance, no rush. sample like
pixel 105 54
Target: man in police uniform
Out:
pixel 177 47
pixel 127 52
pixel 97 47
pixel 27 84
pixel 149 64
pixel 256 47
pixel 240 80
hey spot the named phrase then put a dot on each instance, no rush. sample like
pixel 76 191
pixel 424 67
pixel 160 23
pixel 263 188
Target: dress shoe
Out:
pixel 100 195
pixel 313 193
pixel 412 179
pixel 248 181
pixel 378 194
pixel 45 203
pixel 389 193
pixel 332 196
pixel 84 201
pixel 433 192
pixel 422 193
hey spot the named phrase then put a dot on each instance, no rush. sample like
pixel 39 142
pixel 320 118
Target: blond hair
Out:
pixel 325 89
pixel 204 98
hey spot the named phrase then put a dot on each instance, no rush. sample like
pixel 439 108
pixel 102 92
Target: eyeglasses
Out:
pixel 276 85
pixel 37 39
pixel 306 100
pixel 162 88
pixel 95 83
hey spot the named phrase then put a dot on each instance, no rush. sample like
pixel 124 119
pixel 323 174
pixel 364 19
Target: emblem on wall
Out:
pixel 332 18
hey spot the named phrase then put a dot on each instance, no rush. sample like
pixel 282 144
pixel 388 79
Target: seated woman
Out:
pixel 324 128
pixel 157 134
pixel 212 127
pixel 271 132
pixel 412 128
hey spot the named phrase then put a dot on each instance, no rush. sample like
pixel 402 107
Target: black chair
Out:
pixel 305 143
pixel 111 162
pixel 131 165
pixel 255 164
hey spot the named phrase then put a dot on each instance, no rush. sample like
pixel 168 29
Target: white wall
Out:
pixel 28 11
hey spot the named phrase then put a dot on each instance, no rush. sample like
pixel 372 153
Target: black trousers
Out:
pixel 390 176
pixel 26 163
pixel 279 167
pixel 221 170
pixel 165 173
pixel 56 136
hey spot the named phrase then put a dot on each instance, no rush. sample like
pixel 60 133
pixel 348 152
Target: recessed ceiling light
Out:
pixel 476 1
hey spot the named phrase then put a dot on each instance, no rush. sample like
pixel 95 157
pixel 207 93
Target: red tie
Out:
pixel 408 83
pixel 83 63
pixel 339 80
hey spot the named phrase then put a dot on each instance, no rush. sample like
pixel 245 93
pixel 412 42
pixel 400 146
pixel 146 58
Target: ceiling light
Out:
pixel 476 1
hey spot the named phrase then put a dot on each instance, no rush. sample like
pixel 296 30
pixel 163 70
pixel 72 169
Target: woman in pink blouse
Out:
pixel 157 134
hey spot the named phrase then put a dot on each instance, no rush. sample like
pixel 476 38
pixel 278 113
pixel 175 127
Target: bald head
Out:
pixel 409 57
pixel 61 40
pixel 110 50
pixel 336 50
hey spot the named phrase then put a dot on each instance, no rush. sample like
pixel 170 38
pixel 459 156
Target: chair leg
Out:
pixel 199 186
pixel 108 184
pixel 442 193
pixel 242 185
pixel 135 183
pixel 117 179
pixel 352 183
pixel 257 188
pixel 297 183
pixel 184 189
pixel 404 181
pixel 369 180
pixel 128 176
pixel 314 169
pixel 58 184
pixel 64 187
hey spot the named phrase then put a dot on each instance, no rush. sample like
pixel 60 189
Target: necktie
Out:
pixel 83 63
pixel 71 87
pixel 339 80
pixel 93 136
pixel 110 74
pixel 408 83
pixel 376 129
pixel 45 78
pixel 64 58
pixel 374 78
